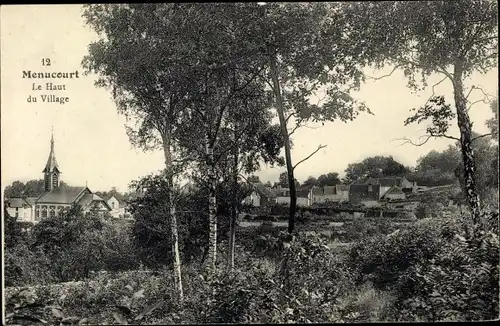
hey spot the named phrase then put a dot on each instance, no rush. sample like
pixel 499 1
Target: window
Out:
pixel 52 212
pixel 44 213
pixel 370 188
pixel 113 205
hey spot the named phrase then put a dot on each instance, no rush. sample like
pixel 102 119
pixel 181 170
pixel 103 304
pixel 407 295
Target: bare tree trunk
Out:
pixel 234 203
pixel 173 218
pixel 465 126
pixel 212 209
pixel 286 138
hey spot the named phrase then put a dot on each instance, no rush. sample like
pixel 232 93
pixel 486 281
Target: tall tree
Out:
pixel 451 38
pixel 149 87
pixel 302 52
pixel 244 138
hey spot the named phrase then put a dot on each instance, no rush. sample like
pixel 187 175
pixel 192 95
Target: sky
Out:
pixel 92 147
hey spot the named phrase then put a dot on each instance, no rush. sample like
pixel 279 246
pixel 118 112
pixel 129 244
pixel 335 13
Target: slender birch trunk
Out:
pixel 173 218
pixel 469 162
pixel 212 209
pixel 284 132
pixel 234 203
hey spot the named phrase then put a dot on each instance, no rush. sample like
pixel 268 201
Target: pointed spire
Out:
pixel 51 162
pixel 52 140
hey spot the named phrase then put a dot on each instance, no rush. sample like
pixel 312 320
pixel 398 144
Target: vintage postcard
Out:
pixel 257 162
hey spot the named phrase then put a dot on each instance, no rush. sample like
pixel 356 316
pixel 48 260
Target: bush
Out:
pixel 405 216
pixel 23 266
pixel 69 247
pixel 362 228
pixel 434 272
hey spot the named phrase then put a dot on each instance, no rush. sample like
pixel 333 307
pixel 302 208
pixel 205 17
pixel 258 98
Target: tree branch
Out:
pixel 308 157
pixel 427 137
pixel 433 89
pixel 287 118
pixel 389 74
pixel 486 95
pixel 309 127
pixel 442 135
pixel 475 102
pixel 293 130
pixel 408 141
pixel 446 73
pixel 485 135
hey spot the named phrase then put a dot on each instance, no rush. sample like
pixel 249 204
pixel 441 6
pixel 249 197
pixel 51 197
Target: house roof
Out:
pixel 394 190
pixel 391 181
pixel 362 192
pixel 372 181
pixel 330 190
pixel 278 192
pixel 108 197
pixel 342 187
pixel 89 198
pixel 61 195
pixel 16 202
pixel 359 181
pixel 299 193
pixel 302 194
pixel 31 201
pixel 263 190
pixel 317 191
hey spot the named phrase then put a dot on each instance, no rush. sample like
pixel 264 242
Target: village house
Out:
pixel 336 194
pixel 118 207
pixel 393 193
pixel 283 197
pixel 387 183
pixel 56 199
pixel 260 195
pixel 21 208
pixel 368 195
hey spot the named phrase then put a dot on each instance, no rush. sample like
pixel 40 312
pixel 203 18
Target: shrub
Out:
pixel 362 228
pixel 70 247
pixel 23 266
pixel 404 216
pixel 435 271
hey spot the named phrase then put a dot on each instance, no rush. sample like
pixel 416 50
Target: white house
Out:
pixel 117 207
pixel 21 208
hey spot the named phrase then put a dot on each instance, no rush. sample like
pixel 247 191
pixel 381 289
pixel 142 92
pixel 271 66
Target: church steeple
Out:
pixel 51 171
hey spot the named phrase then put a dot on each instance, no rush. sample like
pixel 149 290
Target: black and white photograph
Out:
pixel 249 162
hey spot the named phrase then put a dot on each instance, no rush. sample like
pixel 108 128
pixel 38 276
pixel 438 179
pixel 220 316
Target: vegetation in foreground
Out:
pixel 430 270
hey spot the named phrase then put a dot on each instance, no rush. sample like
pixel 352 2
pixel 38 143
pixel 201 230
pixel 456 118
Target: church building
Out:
pixel 55 199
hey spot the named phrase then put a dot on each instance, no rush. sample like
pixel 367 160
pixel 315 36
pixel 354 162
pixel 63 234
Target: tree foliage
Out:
pixel 374 167
pixel 453 39
pixel 329 179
